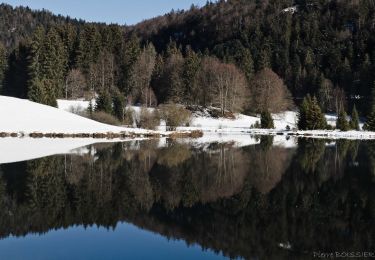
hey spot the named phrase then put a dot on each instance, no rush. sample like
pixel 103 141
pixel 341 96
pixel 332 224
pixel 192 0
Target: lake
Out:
pixel 181 199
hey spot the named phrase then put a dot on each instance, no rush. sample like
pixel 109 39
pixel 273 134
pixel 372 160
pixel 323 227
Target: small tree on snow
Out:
pixel 266 121
pixel 342 123
pixel 370 122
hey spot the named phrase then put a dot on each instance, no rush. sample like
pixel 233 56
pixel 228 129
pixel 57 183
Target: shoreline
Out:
pixel 106 135
pixel 197 133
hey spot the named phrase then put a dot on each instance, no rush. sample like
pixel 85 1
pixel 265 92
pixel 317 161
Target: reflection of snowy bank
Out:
pixel 23 149
pixel 237 140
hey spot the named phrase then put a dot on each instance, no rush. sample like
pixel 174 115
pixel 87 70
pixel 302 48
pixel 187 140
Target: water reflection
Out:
pixel 259 201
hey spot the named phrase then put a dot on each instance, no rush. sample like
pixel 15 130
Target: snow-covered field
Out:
pixel 20 115
pixel 240 123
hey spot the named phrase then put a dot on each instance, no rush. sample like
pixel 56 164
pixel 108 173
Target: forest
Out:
pixel 217 55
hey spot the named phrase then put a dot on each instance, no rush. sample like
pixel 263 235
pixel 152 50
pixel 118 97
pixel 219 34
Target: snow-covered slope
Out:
pixel 19 115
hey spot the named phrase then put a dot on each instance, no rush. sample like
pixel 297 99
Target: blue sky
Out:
pixel 109 11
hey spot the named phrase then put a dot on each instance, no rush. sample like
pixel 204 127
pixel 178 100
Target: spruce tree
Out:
pixel 246 63
pixel 90 108
pixel 266 121
pixel 3 63
pixel 303 113
pixel 354 121
pixel 119 105
pixel 43 91
pixel 316 118
pixel 370 122
pixel 104 103
pixel 190 72
pixel 311 116
pixel 342 123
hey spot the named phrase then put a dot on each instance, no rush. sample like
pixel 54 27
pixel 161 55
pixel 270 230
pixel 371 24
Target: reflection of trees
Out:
pixel 310 151
pixel 174 155
pixel 268 164
pixel 243 202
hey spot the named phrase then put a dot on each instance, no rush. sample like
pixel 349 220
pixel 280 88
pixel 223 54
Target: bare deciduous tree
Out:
pixel 102 73
pixel 339 99
pixel 75 84
pixel 224 85
pixel 268 92
pixel 141 76
pixel 325 95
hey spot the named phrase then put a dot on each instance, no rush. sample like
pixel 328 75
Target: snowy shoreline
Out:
pixel 23 118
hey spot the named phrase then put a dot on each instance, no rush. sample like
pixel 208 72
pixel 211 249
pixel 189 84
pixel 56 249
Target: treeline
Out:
pixel 204 56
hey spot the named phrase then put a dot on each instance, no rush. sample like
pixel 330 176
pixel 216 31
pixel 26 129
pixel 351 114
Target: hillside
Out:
pixel 17 24
pixel 317 41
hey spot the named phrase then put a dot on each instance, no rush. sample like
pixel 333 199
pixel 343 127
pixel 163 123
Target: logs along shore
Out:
pixel 108 135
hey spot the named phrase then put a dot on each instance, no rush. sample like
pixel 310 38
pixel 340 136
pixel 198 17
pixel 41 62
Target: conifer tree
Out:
pixel 130 52
pixel 354 121
pixel 3 63
pixel 246 64
pixel 342 123
pixel 311 116
pixel 370 122
pixel 90 108
pixel 303 110
pixel 315 118
pixel 266 121
pixel 191 68
pixel 104 103
pixel 43 91
pixel 119 105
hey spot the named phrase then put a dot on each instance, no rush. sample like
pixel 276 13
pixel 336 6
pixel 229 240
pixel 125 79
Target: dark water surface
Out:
pixel 141 200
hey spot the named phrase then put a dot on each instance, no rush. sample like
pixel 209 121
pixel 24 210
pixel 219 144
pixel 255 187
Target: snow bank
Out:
pixel 20 115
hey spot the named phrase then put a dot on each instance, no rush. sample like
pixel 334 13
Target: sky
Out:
pixel 109 11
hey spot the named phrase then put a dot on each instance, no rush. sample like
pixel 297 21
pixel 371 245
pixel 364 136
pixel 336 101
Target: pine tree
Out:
pixel 130 52
pixel 90 108
pixel 342 123
pixel 43 91
pixel 53 61
pixel 302 115
pixel 315 118
pixel 3 63
pixel 311 116
pixel 191 68
pixel 266 120
pixel 246 64
pixel 119 105
pixel 104 103
pixel 354 121
pixel 370 122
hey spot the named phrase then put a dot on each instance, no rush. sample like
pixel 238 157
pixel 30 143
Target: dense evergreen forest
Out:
pixel 214 55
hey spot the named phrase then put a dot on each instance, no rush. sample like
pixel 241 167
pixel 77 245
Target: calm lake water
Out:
pixel 181 200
